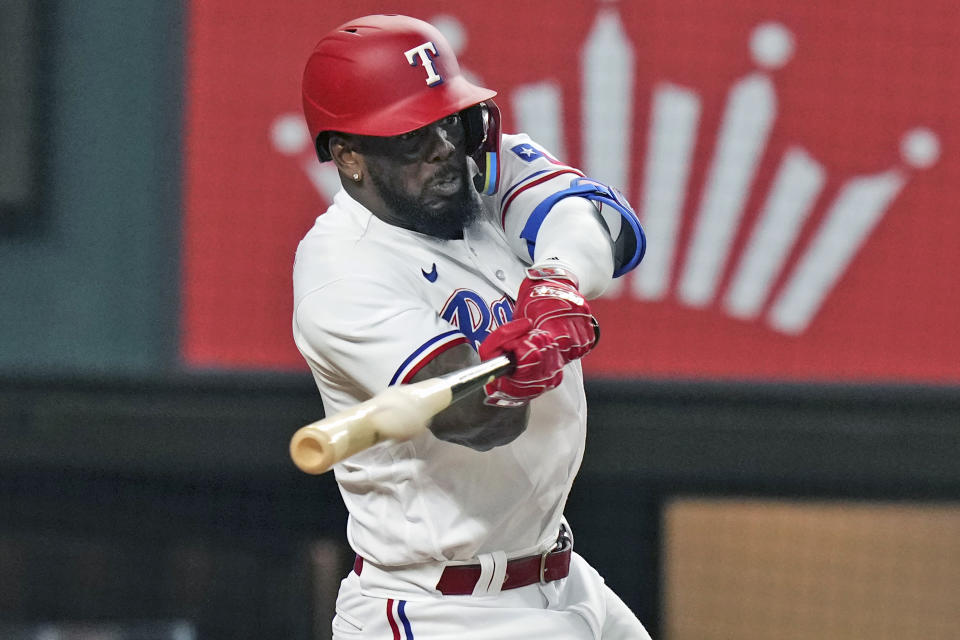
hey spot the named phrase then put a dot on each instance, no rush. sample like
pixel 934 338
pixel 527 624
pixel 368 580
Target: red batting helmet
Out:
pixel 384 75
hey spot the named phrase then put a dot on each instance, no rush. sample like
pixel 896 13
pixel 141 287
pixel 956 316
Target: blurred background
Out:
pixel 774 404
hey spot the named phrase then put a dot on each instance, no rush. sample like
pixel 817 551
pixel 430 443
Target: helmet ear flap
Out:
pixel 476 120
pixel 322 144
pixel 481 126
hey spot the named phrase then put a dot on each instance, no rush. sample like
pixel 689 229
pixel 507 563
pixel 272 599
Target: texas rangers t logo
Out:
pixel 423 52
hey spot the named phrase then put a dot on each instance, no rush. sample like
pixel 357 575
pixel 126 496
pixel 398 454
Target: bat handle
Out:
pixel 466 381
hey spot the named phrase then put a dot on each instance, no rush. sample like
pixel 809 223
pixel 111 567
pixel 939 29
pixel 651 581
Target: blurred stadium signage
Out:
pixel 795 168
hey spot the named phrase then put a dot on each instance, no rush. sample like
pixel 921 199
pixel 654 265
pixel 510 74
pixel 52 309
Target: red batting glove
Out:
pixel 538 364
pixel 550 299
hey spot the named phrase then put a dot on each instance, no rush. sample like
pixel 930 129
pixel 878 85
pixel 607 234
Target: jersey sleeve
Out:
pixel 361 335
pixel 527 172
pixel 531 181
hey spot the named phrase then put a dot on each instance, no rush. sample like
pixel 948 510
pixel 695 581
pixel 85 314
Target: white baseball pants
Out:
pixel 578 607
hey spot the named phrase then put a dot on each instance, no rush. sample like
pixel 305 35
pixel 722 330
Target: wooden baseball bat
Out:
pixel 399 413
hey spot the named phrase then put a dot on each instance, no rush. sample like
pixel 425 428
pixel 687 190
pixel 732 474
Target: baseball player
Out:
pixel 452 243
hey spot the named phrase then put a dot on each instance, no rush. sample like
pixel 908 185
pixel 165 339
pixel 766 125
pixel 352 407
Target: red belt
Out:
pixel 460 580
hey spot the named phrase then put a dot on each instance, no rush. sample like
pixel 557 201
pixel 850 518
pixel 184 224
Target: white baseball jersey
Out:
pixel 373 303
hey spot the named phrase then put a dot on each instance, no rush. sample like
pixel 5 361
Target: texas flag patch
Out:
pixel 527 152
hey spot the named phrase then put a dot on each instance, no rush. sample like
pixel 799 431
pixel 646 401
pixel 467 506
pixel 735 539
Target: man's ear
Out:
pixel 344 153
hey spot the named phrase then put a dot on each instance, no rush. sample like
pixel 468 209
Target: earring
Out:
pixel 356 177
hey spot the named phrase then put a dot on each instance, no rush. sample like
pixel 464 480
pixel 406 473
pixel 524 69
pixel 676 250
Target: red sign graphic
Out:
pixel 795 166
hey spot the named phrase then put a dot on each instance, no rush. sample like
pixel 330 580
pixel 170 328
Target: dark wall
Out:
pixel 92 287
pixel 174 497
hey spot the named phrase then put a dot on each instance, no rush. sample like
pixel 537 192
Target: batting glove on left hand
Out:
pixel 549 297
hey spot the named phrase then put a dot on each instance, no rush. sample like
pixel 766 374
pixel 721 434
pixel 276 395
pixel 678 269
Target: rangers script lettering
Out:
pixel 467 311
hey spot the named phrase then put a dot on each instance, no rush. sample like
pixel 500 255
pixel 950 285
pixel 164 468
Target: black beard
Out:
pixel 447 220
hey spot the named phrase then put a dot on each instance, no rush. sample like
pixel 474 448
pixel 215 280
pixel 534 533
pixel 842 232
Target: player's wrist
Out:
pixel 553 270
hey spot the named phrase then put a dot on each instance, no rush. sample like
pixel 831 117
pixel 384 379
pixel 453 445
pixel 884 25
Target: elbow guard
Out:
pixel 631 243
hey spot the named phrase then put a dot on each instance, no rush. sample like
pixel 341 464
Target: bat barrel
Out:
pixel 399 413
pixel 311 451
pixel 318 446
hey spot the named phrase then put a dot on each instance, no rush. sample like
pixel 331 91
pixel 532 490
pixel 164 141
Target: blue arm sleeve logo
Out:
pixel 599 192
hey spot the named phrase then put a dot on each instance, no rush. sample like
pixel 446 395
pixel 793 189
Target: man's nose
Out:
pixel 439 145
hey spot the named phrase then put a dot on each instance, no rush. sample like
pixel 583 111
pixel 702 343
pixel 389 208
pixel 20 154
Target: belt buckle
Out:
pixel 562 543
pixel 543 564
